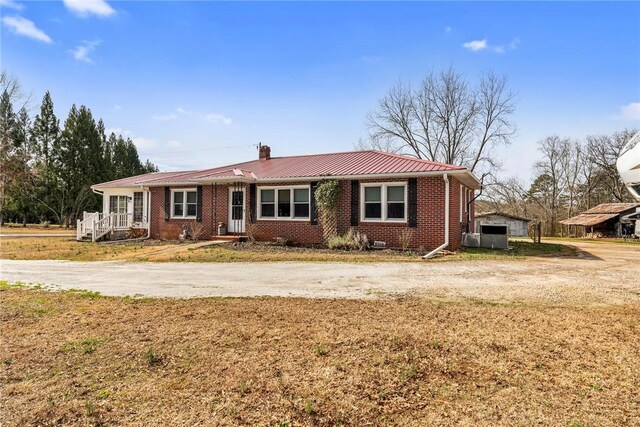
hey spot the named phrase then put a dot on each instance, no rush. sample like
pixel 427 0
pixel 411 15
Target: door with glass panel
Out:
pixel 236 210
pixel 137 206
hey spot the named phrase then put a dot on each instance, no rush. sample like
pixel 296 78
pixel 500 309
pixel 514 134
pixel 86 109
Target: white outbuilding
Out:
pixel 518 226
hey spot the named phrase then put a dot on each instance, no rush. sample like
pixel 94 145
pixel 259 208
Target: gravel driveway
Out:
pixel 603 273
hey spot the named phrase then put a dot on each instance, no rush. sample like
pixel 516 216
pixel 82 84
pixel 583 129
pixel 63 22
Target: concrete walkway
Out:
pixel 608 275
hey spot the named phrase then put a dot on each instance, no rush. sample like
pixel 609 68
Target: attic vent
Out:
pixel 379 245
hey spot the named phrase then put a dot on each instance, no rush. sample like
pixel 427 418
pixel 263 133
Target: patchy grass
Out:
pixel 519 250
pixel 266 252
pixel 283 361
pixel 64 248
pixel 34 228
pixel 158 251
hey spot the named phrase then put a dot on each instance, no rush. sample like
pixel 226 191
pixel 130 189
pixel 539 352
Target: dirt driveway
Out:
pixel 602 273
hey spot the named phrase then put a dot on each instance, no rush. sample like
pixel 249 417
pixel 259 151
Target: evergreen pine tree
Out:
pixel 46 133
pixel 21 188
pixel 7 149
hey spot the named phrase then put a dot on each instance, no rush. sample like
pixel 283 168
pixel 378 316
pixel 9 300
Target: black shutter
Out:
pixel 252 203
pixel 167 203
pixel 199 203
pixel 313 212
pixel 412 191
pixel 355 193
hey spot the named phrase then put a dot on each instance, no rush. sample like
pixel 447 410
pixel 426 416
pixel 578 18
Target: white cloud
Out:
pixel 478 45
pixel 26 28
pixel 117 107
pixel 11 4
pixel 81 52
pixel 217 118
pixel 84 8
pixel 165 117
pixel 475 45
pixel 630 112
pixel 143 142
pixel 448 29
pixel 118 131
pixel 514 43
pixel 182 110
pixel 174 143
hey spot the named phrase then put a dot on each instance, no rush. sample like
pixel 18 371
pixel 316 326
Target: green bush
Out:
pixel 349 241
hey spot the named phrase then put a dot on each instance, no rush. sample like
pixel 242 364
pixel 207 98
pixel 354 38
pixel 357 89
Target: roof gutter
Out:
pixel 472 179
pixel 445 177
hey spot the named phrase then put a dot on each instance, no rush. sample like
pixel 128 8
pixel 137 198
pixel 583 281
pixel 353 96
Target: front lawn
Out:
pixel 518 250
pixel 74 358
pixel 163 251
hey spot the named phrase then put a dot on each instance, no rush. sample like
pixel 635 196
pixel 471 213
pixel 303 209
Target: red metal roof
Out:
pixel 351 163
pixel 337 164
pixel 135 181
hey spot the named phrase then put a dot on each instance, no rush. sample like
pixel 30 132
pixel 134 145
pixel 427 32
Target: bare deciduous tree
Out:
pixel 603 152
pixel 554 151
pixel 445 119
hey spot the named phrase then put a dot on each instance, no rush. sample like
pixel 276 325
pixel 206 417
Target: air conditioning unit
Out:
pixel 471 240
pixel 494 236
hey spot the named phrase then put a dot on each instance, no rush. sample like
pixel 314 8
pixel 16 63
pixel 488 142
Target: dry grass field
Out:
pixel 34 229
pixel 76 358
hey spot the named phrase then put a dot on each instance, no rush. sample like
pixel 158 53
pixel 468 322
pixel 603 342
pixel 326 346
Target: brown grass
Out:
pixel 64 248
pixel 34 229
pixel 79 359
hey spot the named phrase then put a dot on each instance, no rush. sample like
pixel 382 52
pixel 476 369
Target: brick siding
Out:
pixel 428 234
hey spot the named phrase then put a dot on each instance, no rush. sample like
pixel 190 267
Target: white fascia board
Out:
pixel 468 178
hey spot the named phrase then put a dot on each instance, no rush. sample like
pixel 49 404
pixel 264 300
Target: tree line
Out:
pixel 573 175
pixel 47 169
pixel 451 119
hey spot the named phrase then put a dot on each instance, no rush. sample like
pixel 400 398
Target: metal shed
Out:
pixel 518 226
pixel 605 220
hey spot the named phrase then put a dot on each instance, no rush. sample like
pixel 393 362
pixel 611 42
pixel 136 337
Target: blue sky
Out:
pixel 188 80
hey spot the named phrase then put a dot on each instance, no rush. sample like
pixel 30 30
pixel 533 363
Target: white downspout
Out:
pixel 445 177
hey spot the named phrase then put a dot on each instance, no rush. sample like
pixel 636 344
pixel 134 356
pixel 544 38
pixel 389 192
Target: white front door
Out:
pixel 236 210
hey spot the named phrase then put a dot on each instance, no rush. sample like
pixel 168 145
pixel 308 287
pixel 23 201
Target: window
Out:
pixel 184 203
pixel 284 203
pixel 137 206
pixel 384 202
pixel 395 202
pixel 117 204
pixel 461 203
pixel 301 203
pixel 267 203
pixel 373 202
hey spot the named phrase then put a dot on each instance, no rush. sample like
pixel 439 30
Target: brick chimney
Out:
pixel 264 152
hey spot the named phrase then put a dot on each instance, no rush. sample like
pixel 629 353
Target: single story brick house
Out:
pixel 381 195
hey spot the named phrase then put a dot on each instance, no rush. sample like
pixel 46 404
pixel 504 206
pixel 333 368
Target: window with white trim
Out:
pixel 290 203
pixel 118 204
pixel 184 203
pixel 384 202
pixel 461 202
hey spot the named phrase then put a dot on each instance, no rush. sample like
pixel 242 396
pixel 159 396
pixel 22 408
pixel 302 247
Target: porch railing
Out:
pixel 98 224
